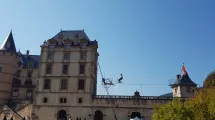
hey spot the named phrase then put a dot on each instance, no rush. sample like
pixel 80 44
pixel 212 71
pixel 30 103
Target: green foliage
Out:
pixel 201 107
pixel 210 80
pixel 174 110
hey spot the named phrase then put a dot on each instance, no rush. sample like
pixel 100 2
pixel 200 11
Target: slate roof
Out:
pixel 18 105
pixel 71 34
pixel 167 95
pixel 185 81
pixel 26 59
pixel 8 44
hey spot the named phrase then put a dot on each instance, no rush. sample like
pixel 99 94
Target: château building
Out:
pixel 60 84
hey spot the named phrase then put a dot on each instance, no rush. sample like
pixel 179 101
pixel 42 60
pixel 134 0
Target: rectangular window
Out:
pixel 175 90
pixel 29 74
pixel 15 92
pixel 45 100
pixel 80 100
pixel 66 56
pixel 63 84
pixel 188 89
pixel 18 72
pixel 81 84
pixel 65 69
pixel 82 69
pixel 63 100
pixel 83 56
pixel 50 56
pixel 47 84
pixel 48 69
pixel 29 93
pixel 0 69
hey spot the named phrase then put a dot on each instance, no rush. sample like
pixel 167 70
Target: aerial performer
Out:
pixel 119 80
pixel 103 80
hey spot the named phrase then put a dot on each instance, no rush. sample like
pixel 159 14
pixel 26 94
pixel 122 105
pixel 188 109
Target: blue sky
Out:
pixel 145 40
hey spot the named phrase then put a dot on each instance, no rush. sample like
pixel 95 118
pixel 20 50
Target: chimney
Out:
pixel 178 77
pixel 27 52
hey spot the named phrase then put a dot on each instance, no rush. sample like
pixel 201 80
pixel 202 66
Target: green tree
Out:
pixel 174 110
pixel 210 80
pixel 203 105
pixel 200 107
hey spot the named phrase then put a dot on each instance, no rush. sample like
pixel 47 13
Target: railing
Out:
pixel 130 97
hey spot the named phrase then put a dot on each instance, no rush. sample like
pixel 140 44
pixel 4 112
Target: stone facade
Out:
pixel 60 84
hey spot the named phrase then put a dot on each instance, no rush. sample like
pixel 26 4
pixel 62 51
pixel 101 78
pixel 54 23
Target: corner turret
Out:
pixel 8 66
pixel 8 44
pixel 183 87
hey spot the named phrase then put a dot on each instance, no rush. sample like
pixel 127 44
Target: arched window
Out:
pixel 135 114
pixel 62 115
pixel 28 82
pixel 16 81
pixel 98 115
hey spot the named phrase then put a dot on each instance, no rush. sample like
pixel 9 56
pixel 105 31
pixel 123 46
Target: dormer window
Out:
pixel 52 46
pixel 52 42
pixel 76 35
pixel 31 65
pixel 84 46
pixel 67 46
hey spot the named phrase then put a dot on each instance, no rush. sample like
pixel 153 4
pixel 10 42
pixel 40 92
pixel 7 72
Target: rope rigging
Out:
pixel 107 83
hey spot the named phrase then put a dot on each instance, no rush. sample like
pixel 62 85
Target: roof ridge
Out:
pixel 72 30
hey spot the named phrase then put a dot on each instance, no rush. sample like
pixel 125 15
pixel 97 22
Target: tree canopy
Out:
pixel 200 107
pixel 210 80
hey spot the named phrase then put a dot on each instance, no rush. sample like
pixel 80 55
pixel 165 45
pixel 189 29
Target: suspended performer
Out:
pixel 119 80
pixel 103 80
